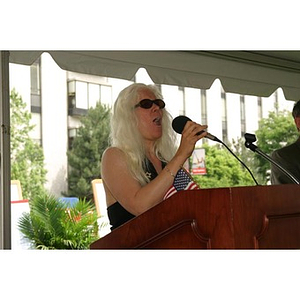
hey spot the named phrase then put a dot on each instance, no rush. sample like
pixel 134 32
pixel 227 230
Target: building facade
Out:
pixel 58 98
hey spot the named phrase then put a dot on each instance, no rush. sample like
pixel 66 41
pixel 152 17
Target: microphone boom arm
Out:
pixel 250 138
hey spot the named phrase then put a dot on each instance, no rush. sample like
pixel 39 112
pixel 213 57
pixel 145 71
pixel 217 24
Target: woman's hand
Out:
pixel 189 137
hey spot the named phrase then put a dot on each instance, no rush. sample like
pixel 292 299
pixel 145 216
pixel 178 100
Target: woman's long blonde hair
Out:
pixel 126 136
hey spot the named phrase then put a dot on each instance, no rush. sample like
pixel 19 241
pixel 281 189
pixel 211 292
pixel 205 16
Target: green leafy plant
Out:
pixel 50 224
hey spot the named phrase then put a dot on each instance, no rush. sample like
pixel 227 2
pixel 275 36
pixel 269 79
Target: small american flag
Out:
pixel 182 181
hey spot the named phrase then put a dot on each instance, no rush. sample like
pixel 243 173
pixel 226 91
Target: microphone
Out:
pixel 179 123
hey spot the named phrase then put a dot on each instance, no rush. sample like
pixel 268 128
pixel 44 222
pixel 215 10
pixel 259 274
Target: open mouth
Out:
pixel 157 121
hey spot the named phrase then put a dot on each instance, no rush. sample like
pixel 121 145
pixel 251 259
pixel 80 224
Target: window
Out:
pixel 36 133
pixel 35 87
pixel 181 96
pixel 35 101
pixel 93 94
pixel 81 95
pixel 203 107
pixel 72 132
pixel 224 116
pixel 84 95
pixel 259 108
pixel 243 115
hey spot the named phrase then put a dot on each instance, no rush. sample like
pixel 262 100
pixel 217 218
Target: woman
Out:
pixel 140 166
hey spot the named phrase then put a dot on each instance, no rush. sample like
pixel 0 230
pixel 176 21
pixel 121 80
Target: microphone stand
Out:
pixel 250 139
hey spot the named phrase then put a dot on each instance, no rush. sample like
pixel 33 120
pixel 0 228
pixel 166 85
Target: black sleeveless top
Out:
pixel 117 214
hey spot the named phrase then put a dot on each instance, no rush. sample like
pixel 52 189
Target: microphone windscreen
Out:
pixel 179 122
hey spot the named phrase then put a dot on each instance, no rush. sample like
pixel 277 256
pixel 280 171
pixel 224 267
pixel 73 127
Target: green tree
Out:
pixel 223 169
pixel 248 157
pixel 84 158
pixel 274 132
pixel 27 158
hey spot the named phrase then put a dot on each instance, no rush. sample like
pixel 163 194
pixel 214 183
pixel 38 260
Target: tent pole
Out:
pixel 5 205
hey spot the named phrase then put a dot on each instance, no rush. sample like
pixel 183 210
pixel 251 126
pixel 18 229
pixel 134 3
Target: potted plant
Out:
pixel 51 224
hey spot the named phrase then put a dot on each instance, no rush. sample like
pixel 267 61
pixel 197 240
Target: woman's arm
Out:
pixel 128 191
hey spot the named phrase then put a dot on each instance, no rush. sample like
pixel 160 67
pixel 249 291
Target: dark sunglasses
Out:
pixel 147 103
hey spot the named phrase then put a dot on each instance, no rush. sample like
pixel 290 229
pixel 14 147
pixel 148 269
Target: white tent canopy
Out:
pixel 257 73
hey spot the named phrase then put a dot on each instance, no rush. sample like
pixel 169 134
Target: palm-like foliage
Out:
pixel 50 224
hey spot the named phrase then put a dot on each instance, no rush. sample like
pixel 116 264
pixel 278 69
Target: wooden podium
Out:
pixel 257 217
